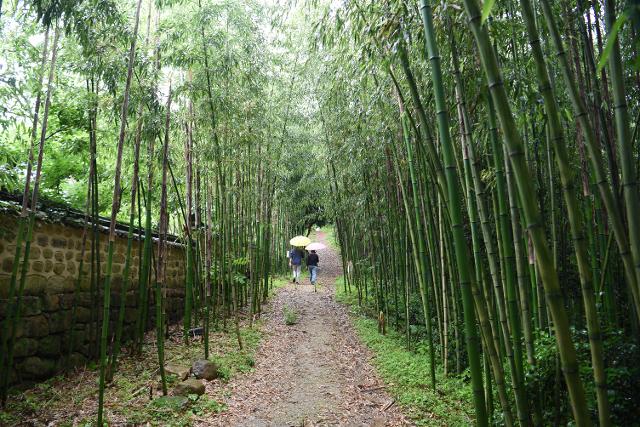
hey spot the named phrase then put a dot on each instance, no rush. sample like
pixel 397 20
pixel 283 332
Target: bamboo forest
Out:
pixel 319 212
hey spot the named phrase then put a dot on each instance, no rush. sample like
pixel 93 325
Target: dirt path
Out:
pixel 315 372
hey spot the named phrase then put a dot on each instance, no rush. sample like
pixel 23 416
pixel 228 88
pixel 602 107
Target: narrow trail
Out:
pixel 315 372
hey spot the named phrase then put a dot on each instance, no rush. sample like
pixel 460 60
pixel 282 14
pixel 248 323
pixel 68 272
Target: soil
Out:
pixel 315 372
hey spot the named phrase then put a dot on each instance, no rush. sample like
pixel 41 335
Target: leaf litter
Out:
pixel 313 373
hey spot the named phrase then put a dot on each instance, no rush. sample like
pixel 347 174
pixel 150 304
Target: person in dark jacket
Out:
pixel 312 264
pixel 295 262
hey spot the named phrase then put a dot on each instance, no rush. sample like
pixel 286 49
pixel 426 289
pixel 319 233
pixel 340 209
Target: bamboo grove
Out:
pixel 479 162
pixel 486 197
pixel 183 116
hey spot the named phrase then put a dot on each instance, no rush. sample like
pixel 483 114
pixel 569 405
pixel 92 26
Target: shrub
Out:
pixel 290 315
pixel 623 372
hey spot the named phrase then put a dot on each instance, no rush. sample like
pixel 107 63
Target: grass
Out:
pixel 280 282
pixel 331 237
pixel 347 298
pixel 406 374
pixel 231 363
pixel 284 280
pixel 290 315
pixel 70 399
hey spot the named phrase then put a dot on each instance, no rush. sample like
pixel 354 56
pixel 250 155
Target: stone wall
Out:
pixel 44 332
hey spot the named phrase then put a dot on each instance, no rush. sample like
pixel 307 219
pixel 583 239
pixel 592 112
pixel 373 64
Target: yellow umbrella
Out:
pixel 300 241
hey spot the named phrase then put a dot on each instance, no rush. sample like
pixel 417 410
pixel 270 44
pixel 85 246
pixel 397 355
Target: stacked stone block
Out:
pixel 44 333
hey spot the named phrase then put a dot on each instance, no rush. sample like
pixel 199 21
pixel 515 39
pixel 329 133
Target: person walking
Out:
pixel 312 263
pixel 295 262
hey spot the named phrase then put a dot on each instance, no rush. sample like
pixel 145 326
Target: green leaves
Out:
pixel 486 9
pixel 290 315
pixel 611 39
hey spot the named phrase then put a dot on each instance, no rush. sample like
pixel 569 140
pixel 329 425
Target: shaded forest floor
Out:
pixel 313 358
pixel 406 371
pixel 131 399
pixel 312 372
pixel 302 365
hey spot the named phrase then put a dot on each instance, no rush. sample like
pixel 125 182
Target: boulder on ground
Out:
pixel 182 372
pixel 205 369
pixel 188 387
pixel 196 332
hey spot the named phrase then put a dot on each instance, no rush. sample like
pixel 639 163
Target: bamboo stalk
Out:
pixel 532 215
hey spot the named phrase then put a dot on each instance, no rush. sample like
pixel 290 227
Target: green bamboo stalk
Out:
pixel 162 237
pixel 209 296
pixel 115 207
pixel 144 277
pixel 480 195
pixel 188 300
pixel 434 158
pixel 625 144
pixel 510 323
pixel 13 318
pixel 419 251
pixel 461 250
pixel 473 206
pixel 595 155
pixel 124 288
pixel 487 331
pixel 83 247
pixel 22 223
pixel 96 265
pixel 569 188
pixel 532 216
pixel 512 192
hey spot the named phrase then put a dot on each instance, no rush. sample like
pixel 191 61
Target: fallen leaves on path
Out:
pixel 315 372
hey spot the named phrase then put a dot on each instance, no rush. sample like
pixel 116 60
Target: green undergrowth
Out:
pixel 69 399
pixel 348 298
pixel 406 373
pixel 290 315
pixel 280 282
pixel 231 363
pixel 331 238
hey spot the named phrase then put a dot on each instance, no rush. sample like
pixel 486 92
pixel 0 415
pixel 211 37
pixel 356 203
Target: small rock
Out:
pixel 196 332
pixel 204 369
pixel 188 387
pixel 182 372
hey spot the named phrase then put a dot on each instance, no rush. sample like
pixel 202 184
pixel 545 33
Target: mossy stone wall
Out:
pixel 44 332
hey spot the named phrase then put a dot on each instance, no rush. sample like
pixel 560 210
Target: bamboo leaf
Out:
pixel 611 39
pixel 486 9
